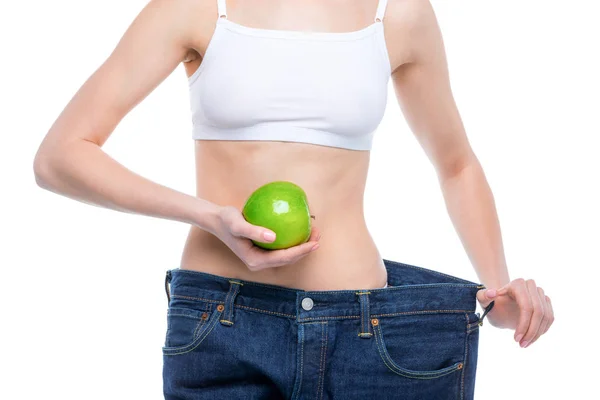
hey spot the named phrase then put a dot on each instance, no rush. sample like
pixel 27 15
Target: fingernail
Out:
pixel 270 236
pixel 518 339
pixel 491 292
pixel 524 344
pixel 316 246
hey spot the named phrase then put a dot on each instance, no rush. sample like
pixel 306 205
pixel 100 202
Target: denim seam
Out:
pixel 463 372
pixel 235 305
pixel 265 311
pixel 196 298
pixel 182 315
pixel 301 363
pixel 473 329
pixel 363 298
pixel 419 312
pixel 198 327
pixel 301 332
pixel 383 315
pixel 332 317
pixel 234 288
pixel 473 324
pixel 321 382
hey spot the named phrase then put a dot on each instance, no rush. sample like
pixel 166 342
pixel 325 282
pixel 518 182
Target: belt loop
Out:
pixel 365 315
pixel 167 280
pixel 487 310
pixel 234 289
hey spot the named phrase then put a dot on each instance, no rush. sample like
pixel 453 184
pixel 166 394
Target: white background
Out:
pixel 82 296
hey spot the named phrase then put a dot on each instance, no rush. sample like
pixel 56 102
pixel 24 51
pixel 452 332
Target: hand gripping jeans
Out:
pixel 234 339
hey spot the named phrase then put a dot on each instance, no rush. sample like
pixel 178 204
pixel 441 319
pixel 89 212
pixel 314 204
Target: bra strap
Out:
pixel 380 10
pixel 222 8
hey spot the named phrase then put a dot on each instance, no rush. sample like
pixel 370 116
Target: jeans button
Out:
pixel 307 303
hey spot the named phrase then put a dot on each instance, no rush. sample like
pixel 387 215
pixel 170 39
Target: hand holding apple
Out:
pixel 282 207
pixel 278 209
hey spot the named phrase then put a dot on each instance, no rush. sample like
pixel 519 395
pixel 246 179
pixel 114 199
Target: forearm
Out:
pixel 84 172
pixel 471 207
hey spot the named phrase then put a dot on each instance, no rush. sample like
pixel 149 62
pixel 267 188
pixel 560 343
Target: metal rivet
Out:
pixel 204 316
pixel 220 307
pixel 460 366
pixel 375 321
pixel 307 303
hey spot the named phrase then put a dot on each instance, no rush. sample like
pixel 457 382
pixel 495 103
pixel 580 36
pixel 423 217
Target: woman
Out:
pixel 294 91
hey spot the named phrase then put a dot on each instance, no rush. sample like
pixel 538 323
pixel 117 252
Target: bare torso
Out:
pixel 333 178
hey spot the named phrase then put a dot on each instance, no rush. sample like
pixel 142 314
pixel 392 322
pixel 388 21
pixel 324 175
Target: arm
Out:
pixel 423 90
pixel 70 160
pixel 422 87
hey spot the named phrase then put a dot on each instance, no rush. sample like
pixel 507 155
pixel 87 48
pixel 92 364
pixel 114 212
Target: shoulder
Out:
pixel 186 15
pixel 184 5
pixel 411 25
pixel 409 13
pixel 193 20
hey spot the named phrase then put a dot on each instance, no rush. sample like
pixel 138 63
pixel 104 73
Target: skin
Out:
pixel 167 33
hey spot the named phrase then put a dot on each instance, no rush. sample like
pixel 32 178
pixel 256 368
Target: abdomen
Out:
pixel 334 181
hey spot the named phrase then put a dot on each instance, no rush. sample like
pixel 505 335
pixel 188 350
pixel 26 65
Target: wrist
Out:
pixel 496 281
pixel 205 215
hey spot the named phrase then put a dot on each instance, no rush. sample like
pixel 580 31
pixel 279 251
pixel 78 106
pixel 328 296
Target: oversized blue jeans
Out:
pixel 234 339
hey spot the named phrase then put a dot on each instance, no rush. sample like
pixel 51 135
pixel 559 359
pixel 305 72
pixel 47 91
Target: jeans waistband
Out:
pixel 411 289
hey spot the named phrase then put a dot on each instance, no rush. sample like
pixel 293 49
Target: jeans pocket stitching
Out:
pixel 203 332
pixel 394 367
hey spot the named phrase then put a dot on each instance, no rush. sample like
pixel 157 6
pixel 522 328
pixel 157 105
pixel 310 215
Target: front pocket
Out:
pixel 187 328
pixel 421 346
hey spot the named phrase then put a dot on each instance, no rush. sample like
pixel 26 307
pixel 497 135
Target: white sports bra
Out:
pixel 324 88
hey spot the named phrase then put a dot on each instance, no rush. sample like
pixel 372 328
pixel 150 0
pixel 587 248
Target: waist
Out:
pixel 346 259
pixel 334 181
pixel 411 289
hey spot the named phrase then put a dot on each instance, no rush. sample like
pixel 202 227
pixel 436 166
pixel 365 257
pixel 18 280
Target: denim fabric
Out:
pixel 234 339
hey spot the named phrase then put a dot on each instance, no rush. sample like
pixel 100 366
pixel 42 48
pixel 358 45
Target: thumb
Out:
pixel 503 290
pixel 486 296
pixel 254 232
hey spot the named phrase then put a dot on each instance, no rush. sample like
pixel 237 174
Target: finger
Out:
pixel 315 234
pixel 518 291
pixel 503 290
pixel 253 232
pixel 550 313
pixel 275 258
pixel 485 296
pixel 543 325
pixel 536 316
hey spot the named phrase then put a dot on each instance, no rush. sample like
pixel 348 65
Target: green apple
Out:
pixel 282 207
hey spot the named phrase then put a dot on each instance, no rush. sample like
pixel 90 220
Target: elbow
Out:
pixel 42 169
pixel 453 166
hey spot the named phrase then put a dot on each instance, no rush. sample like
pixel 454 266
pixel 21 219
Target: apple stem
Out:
pixel 313 217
